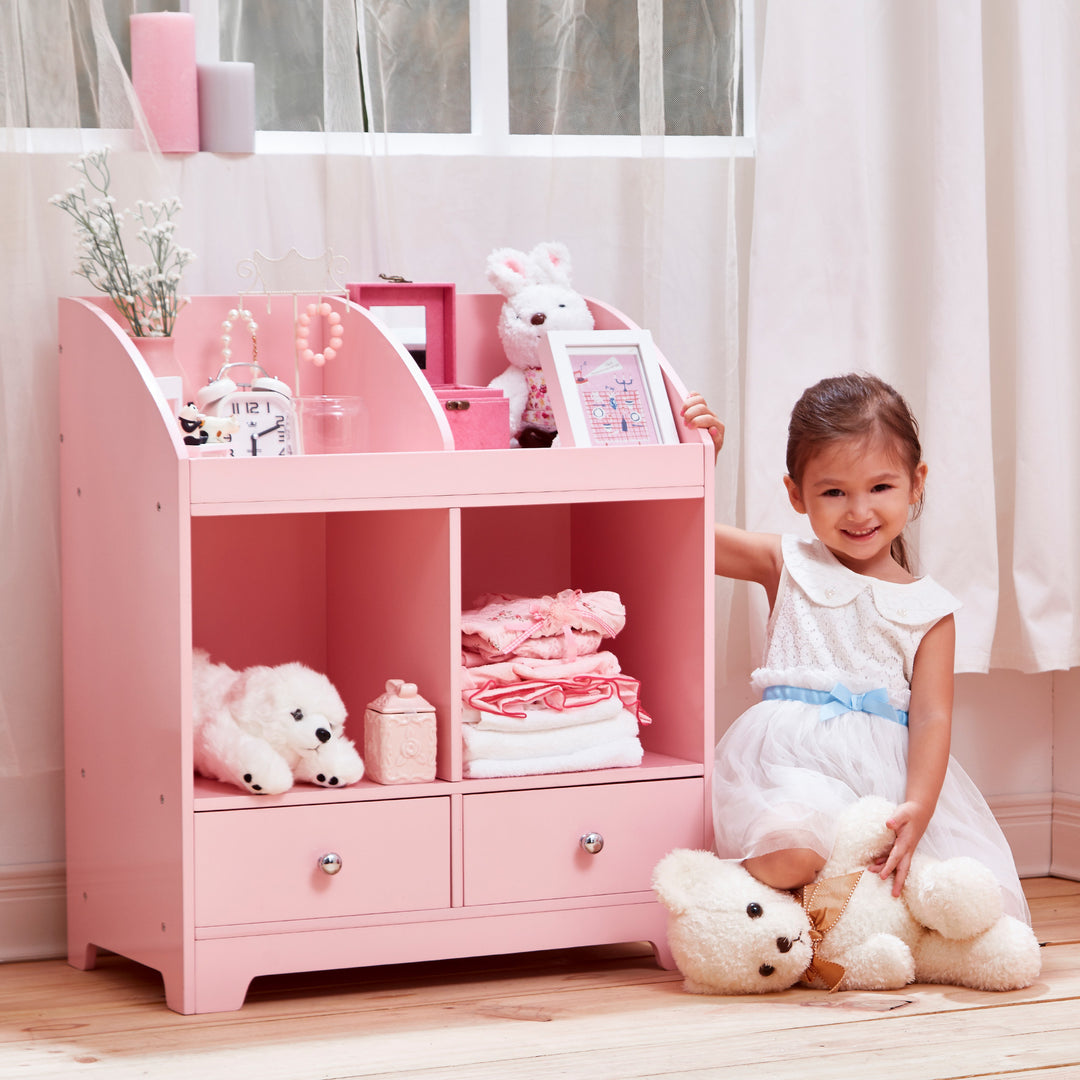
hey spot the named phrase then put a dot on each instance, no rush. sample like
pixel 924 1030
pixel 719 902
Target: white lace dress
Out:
pixel 787 766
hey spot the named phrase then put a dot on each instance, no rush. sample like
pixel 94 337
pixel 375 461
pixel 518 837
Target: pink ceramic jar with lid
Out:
pixel 399 736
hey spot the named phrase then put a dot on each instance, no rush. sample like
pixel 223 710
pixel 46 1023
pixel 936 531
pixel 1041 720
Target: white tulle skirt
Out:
pixel 782 775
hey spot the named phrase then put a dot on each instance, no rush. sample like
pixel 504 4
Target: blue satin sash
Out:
pixel 840 700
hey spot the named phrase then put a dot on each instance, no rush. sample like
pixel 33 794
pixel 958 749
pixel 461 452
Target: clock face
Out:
pixel 267 424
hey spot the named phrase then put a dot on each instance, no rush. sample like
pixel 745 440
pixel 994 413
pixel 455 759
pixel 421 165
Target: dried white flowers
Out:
pixel 146 295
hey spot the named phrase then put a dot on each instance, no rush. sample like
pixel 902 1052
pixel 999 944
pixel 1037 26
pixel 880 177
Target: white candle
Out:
pixel 164 77
pixel 227 107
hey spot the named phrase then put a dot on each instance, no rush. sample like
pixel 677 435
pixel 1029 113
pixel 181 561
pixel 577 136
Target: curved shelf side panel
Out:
pixel 127 648
pixel 400 409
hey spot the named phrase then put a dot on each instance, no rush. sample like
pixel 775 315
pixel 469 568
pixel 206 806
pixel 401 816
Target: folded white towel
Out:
pixel 542 719
pixel 619 754
pixel 508 745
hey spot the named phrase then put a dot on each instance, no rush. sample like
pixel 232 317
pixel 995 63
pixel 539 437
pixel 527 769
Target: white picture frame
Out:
pixel 607 388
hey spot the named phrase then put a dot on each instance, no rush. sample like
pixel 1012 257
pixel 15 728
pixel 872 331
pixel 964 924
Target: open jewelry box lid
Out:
pixel 421 316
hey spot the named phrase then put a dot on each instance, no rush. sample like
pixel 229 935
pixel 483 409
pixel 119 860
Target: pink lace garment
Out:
pixel 563 626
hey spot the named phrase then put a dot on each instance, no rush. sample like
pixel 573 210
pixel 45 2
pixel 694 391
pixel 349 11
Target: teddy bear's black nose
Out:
pixel 323 735
pixel 538 319
pixel 783 944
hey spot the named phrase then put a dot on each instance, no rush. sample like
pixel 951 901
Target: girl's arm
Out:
pixel 749 556
pixel 739 554
pixel 929 737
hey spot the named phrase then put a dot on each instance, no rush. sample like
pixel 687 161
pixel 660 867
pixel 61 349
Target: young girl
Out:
pixel 857 680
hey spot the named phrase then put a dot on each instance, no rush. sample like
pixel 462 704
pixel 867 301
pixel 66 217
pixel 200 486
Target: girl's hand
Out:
pixel 909 823
pixel 697 414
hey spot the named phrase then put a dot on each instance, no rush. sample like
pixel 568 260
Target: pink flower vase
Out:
pixel 160 356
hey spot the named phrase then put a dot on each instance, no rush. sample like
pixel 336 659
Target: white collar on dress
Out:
pixel 828 582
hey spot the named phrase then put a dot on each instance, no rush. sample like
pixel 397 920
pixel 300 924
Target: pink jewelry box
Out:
pixel 479 417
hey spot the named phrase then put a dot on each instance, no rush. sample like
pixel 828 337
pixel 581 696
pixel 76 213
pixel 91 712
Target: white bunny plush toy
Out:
pixel 539 298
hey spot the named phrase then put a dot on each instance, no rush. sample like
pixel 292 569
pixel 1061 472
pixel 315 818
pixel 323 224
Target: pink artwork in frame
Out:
pixel 607 389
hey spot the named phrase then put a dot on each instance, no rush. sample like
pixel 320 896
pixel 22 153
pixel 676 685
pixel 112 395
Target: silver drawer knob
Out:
pixel 593 843
pixel 330 863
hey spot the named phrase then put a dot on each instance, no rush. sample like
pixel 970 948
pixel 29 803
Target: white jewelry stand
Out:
pixel 294 275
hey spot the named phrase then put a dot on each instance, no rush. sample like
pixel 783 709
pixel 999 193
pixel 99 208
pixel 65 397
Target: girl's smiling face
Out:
pixel 858 496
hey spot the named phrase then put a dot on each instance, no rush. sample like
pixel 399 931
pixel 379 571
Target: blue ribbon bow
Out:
pixel 873 701
pixel 840 700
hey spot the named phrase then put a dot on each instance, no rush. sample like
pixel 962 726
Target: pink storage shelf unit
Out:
pixel 358 565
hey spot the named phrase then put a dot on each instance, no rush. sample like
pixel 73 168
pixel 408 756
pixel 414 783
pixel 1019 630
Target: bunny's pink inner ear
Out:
pixel 552 259
pixel 509 270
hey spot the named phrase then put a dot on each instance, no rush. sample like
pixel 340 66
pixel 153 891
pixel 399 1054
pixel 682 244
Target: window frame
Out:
pixel 490 114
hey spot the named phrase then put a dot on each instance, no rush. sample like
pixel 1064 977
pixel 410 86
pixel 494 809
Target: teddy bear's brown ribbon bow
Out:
pixel 824 902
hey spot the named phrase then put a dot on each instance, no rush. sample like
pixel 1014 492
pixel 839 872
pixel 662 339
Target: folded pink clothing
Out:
pixel 522 669
pixel 573 693
pixel 568 643
pixel 503 623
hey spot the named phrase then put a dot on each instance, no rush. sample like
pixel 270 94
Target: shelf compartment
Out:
pixel 652 554
pixel 360 597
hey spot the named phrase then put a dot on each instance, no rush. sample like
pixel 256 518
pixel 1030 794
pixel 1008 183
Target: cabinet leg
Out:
pixel 82 955
pixel 222 993
pixel 663 954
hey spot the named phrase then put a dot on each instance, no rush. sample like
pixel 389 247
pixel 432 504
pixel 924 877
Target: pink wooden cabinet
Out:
pixel 359 565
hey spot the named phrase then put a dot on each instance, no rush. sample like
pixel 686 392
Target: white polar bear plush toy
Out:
pixel 539 298
pixel 264 727
pixel 730 934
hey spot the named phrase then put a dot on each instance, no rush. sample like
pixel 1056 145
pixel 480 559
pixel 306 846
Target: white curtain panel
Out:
pixel 915 215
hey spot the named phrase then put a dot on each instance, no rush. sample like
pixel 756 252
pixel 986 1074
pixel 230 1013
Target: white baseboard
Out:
pixel 1066 837
pixel 33 912
pixel 1026 822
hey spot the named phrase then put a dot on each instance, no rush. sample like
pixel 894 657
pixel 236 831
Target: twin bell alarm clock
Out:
pixel 263 408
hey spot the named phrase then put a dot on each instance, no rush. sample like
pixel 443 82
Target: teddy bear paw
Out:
pixel 882 962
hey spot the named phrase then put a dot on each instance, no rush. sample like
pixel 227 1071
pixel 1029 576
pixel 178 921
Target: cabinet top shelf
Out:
pixel 436 479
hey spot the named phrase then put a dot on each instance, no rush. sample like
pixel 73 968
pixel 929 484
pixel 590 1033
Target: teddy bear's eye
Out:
pixel 298 714
pixel 755 910
pixel 766 970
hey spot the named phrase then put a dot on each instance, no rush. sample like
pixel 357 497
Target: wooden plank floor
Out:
pixel 606 1014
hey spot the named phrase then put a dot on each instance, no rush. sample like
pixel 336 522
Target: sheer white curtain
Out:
pixel 653 234
pixel 915 214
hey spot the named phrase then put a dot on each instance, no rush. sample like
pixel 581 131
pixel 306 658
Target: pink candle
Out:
pixel 163 74
pixel 227 107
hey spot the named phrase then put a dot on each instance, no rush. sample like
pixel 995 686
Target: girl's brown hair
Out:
pixel 854 407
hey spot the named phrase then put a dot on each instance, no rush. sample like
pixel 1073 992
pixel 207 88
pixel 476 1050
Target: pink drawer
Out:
pixel 263 865
pixel 526 845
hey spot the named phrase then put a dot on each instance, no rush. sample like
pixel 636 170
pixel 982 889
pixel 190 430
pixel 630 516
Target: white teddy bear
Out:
pixel 264 727
pixel 539 298
pixel 730 934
